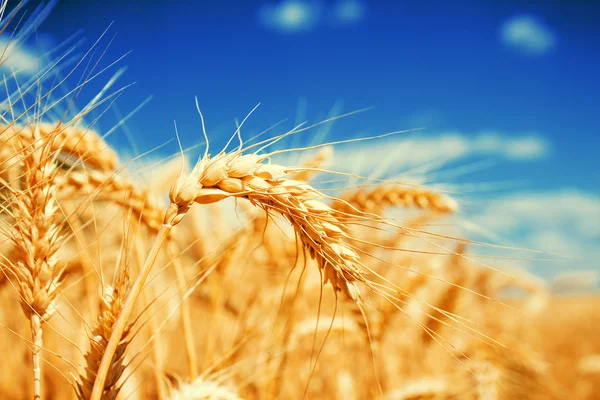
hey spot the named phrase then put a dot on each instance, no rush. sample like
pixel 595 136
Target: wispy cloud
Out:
pixel 295 16
pixel 17 58
pixel 578 212
pixel 290 16
pixel 526 147
pixel 349 11
pixel 561 221
pixel 403 153
pixel 527 34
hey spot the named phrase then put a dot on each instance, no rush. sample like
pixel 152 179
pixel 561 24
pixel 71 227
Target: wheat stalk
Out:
pixel 103 186
pixel 186 324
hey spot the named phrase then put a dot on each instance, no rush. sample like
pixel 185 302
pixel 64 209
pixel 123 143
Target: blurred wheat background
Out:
pixel 350 254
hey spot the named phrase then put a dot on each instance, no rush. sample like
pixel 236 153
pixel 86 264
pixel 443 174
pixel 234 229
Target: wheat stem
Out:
pixel 186 323
pixel 157 355
pixel 36 334
pixel 182 196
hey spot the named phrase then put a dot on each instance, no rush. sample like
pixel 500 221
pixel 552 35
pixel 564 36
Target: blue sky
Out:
pixel 442 65
pixel 514 82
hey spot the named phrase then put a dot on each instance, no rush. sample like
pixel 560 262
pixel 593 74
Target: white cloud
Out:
pixel 405 152
pixel 574 281
pixel 565 222
pixel 527 34
pixel 516 148
pixel 526 148
pixel 562 221
pixel 294 16
pixel 349 11
pixel 290 15
pixel 578 212
pixel 17 58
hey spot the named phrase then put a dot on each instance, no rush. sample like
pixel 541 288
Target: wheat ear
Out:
pixel 106 186
pixel 316 224
pixel 37 239
pixel 381 196
pixel 79 142
pixel 310 165
pixel 110 308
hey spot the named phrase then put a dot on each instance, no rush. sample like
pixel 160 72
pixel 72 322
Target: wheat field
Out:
pixel 239 277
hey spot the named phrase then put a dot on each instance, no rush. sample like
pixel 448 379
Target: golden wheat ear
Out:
pixel 77 143
pixel 376 199
pixel 36 237
pixel 98 186
pixel 111 305
pixel 311 166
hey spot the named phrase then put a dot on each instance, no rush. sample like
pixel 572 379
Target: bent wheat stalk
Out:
pixel 121 323
pixel 245 176
pixel 182 198
pixel 106 186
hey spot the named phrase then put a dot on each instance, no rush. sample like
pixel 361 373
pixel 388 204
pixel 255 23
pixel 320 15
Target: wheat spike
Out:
pixel 319 159
pixel 385 195
pixel 78 142
pixel 315 223
pixel 36 236
pixel 106 186
pixel 110 307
